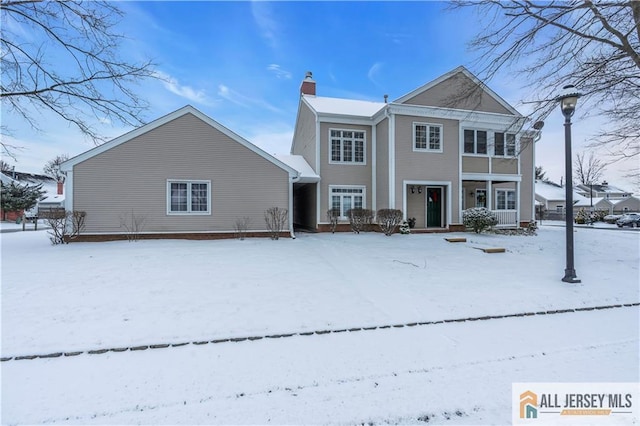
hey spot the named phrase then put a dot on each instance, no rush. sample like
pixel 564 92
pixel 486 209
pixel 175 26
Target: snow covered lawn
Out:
pixel 87 296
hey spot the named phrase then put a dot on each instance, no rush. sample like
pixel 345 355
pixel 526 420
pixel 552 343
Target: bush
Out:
pixel 276 219
pixel 360 219
pixel 133 225
pixel 478 219
pixel 405 228
pixel 333 215
pixel 241 226
pixel 65 225
pixel 388 220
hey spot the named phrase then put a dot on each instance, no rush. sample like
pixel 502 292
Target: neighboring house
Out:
pixel 552 200
pixel 53 192
pixel 447 146
pixel 185 174
pixel 603 190
pixel 626 205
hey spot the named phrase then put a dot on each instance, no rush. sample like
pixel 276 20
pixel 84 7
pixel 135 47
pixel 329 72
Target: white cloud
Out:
pixel 279 72
pixel 244 101
pixel 267 25
pixel 187 92
pixel 373 73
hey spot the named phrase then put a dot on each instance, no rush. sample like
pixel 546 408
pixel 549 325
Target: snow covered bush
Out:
pixel 276 219
pixel 478 219
pixel 388 220
pixel 405 228
pixel 360 219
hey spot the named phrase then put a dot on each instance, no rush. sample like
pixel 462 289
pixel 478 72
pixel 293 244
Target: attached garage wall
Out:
pixel 132 177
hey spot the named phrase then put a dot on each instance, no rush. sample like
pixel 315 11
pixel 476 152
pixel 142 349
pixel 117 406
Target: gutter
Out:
pixel 292 180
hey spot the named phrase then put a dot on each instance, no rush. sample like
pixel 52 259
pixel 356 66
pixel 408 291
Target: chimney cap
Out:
pixel 308 75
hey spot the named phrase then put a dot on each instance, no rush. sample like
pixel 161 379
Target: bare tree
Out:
pixel 52 168
pixel 5 167
pixel 594 45
pixel 93 80
pixel 588 170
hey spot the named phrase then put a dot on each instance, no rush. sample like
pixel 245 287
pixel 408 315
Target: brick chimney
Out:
pixel 308 86
pixel 60 188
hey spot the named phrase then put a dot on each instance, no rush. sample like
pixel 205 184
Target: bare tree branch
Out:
pixel 65 56
pixel 588 170
pixel 546 44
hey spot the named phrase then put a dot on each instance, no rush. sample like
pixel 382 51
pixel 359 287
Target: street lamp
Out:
pixel 568 99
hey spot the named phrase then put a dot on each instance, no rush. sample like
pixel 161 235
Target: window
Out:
pixel 427 137
pixel 475 142
pixel 559 209
pixel 505 149
pixel 188 197
pixel 344 198
pixel 347 146
pixel 505 199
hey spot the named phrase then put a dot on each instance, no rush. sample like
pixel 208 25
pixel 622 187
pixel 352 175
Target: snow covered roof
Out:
pixel 553 192
pixel 341 106
pixel 6 179
pixel 298 163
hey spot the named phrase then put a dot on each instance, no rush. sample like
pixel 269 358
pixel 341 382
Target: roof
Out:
pixel 297 162
pixel 552 192
pixel 606 188
pixel 188 109
pixel 339 106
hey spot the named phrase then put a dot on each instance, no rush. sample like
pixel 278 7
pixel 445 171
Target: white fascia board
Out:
pixel 68 165
pixel 491 176
pixel 344 119
pixel 466 117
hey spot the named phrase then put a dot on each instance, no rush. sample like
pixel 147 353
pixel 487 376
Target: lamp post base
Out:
pixel 570 276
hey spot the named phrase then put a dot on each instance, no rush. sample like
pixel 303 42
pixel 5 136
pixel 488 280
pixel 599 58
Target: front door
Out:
pixel 434 207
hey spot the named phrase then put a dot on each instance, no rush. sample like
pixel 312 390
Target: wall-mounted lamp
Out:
pixel 414 188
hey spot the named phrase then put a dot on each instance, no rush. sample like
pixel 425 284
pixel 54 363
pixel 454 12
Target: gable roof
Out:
pixel 306 174
pixel 466 73
pixel 552 192
pixel 339 106
pixel 188 109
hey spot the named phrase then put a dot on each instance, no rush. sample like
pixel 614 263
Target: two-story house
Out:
pixel 449 145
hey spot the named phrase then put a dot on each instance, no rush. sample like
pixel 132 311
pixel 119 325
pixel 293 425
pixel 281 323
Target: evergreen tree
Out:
pixel 16 197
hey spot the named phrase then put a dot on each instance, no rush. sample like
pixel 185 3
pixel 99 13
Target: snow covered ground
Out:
pixel 91 296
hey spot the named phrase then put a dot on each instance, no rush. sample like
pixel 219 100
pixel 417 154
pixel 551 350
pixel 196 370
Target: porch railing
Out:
pixel 506 217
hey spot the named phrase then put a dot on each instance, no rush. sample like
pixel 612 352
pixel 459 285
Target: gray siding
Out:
pixel 507 166
pixel 458 92
pixel 475 164
pixel 304 142
pixel 427 166
pixel 132 177
pixel 342 174
pixel 382 165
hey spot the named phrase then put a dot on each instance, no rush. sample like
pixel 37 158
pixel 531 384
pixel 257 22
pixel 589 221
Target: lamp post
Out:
pixel 568 99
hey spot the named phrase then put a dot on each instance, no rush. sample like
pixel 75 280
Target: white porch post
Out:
pixel 489 195
pixel 518 204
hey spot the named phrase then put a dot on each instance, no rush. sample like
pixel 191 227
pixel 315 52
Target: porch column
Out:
pixel 518 204
pixel 489 195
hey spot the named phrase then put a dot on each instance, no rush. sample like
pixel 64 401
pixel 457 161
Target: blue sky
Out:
pixel 242 63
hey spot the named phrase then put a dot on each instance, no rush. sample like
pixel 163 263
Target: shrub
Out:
pixel 405 228
pixel 276 219
pixel 241 226
pixel 360 219
pixel 333 215
pixel 388 220
pixel 133 225
pixel 478 219
pixel 65 225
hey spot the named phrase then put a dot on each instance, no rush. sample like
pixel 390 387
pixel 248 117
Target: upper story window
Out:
pixel 475 142
pixel 505 144
pixel 427 137
pixel 347 146
pixel 188 197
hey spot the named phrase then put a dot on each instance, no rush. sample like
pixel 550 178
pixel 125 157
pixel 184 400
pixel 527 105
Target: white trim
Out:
pixel 353 152
pixel 318 154
pixel 290 213
pixel 189 182
pixel 392 161
pixel 343 119
pixel 68 191
pixel 330 194
pixel 491 177
pixel 446 184
pixel 427 130
pixel 374 167
pixel 475 131
pixel 518 203
pixel 68 165
pixel 506 199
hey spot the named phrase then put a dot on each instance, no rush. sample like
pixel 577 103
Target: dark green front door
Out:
pixel 434 207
